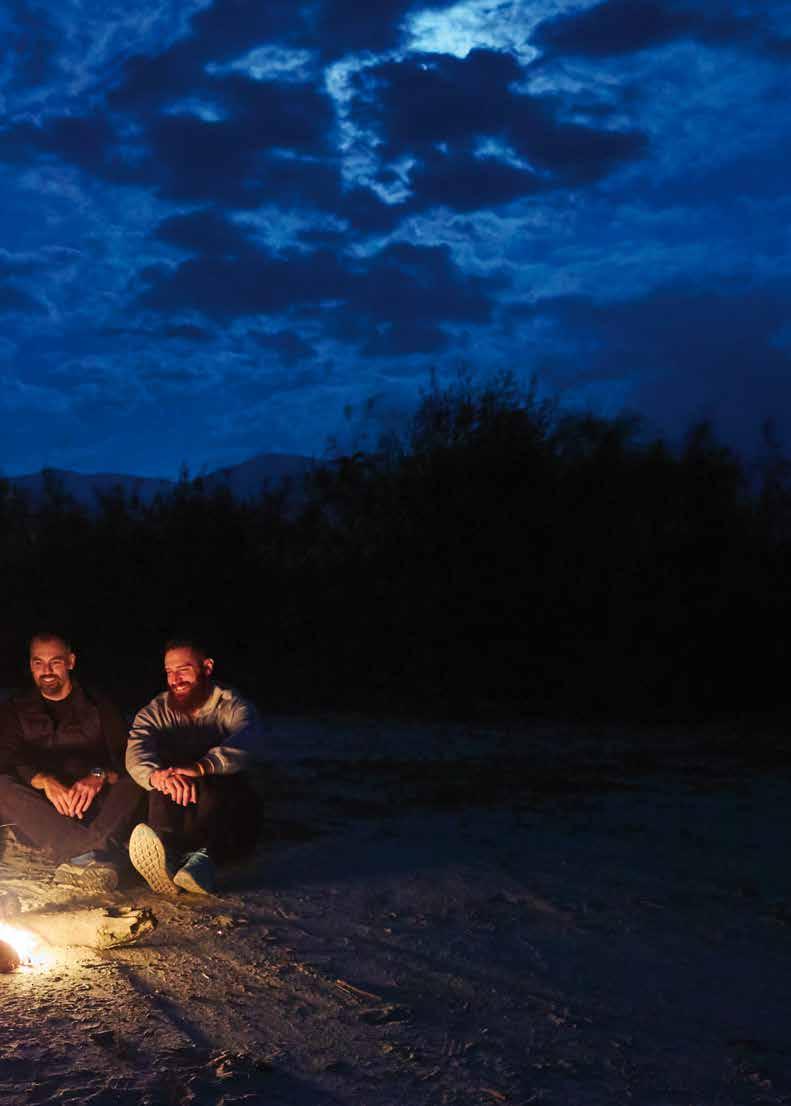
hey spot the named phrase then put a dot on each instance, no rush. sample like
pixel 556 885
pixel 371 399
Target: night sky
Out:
pixel 247 225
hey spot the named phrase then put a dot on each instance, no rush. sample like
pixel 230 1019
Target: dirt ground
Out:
pixel 445 915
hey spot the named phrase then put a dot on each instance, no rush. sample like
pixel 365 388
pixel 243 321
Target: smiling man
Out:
pixel 190 748
pixel 62 781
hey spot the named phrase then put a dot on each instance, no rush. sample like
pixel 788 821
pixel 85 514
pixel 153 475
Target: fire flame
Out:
pixel 27 945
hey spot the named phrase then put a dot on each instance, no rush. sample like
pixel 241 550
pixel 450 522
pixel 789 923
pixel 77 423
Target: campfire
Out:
pixel 27 937
pixel 32 937
pixel 19 948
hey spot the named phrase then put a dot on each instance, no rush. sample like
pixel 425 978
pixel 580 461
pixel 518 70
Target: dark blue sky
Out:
pixel 226 227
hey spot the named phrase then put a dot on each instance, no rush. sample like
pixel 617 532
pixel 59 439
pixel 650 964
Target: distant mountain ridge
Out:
pixel 245 480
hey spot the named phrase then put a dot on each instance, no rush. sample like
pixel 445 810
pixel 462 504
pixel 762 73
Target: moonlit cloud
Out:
pixel 473 24
pixel 271 63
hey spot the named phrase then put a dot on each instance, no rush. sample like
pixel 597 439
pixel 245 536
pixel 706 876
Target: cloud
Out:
pixel 188 332
pixel 428 98
pixel 346 26
pixel 175 375
pixel 227 28
pixel 16 300
pixel 256 117
pixel 429 108
pixel 12 263
pixel 404 339
pixel 30 43
pixel 421 284
pixel 204 232
pixel 210 201
pixel 617 27
pixel 193 131
pixel 394 299
pixel 89 142
pixel 465 182
pixel 253 283
pixel 683 353
pixel 289 346
pixel 219 34
pixel 217 136
pixel 235 159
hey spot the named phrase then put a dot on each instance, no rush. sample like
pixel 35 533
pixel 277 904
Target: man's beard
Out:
pixel 196 697
pixel 50 687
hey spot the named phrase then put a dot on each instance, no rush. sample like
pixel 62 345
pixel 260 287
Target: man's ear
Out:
pixel 208 666
pixel 71 660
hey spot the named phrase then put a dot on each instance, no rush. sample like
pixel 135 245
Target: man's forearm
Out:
pixel 141 762
pixel 142 770
pixel 225 760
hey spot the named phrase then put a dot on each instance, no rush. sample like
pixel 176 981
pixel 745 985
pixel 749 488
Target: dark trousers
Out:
pixel 224 820
pixel 36 821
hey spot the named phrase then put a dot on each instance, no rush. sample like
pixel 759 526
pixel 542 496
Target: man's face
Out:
pixel 188 675
pixel 51 664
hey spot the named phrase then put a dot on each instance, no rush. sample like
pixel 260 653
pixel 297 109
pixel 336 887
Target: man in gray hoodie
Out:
pixel 190 749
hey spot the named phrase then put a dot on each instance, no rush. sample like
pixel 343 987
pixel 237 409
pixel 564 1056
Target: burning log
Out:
pixel 95 929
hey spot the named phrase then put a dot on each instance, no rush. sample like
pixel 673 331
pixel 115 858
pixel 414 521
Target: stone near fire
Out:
pixel 9 958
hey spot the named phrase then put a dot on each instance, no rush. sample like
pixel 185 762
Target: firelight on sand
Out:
pixel 28 946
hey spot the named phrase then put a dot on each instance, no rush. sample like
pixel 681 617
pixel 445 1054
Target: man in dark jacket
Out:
pixel 63 786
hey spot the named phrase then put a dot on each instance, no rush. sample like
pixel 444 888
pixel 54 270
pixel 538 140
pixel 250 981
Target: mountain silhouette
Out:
pixel 265 471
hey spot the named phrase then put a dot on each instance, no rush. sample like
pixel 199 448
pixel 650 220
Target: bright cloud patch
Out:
pixel 271 63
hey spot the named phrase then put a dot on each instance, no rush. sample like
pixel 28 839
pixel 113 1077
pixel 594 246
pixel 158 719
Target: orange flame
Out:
pixel 27 945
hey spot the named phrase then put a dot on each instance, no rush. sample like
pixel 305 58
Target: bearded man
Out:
pixel 62 782
pixel 190 749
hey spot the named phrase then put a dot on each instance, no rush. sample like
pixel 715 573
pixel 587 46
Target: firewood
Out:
pixel 96 929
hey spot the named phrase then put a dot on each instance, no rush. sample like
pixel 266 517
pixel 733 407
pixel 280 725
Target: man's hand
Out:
pixel 181 788
pixel 186 773
pixel 57 793
pixel 82 794
pixel 159 778
pixel 177 783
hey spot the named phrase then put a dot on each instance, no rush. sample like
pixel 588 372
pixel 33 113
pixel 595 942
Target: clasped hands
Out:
pixel 178 783
pixel 72 800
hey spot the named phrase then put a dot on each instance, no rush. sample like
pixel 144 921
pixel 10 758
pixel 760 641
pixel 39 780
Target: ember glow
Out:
pixel 29 947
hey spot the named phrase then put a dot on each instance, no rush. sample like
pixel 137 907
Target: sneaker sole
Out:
pixel 87 879
pixel 187 882
pixel 147 854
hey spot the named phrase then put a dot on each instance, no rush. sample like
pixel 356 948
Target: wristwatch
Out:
pixel 99 773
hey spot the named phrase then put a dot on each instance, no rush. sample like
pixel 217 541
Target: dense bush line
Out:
pixel 499 556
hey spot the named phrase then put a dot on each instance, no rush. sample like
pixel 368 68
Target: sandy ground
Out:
pixel 445 915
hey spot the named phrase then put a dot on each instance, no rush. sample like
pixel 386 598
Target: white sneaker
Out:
pixel 148 855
